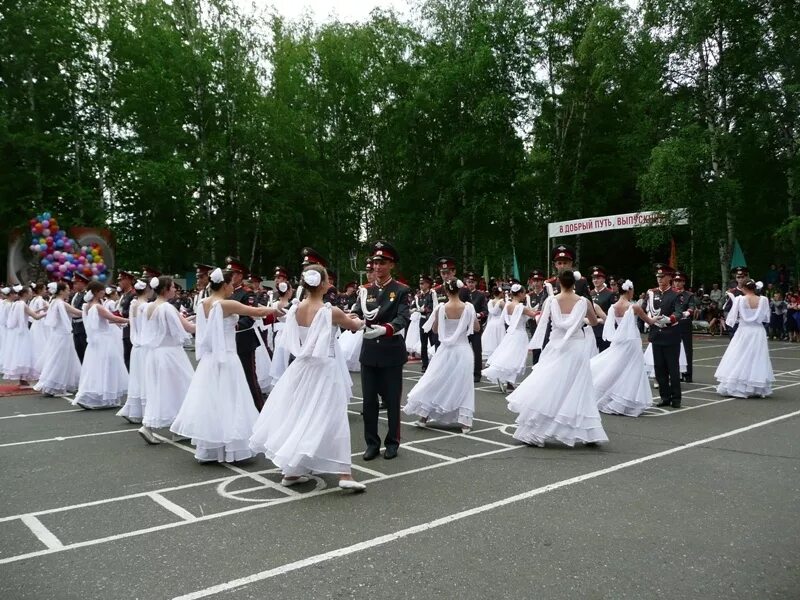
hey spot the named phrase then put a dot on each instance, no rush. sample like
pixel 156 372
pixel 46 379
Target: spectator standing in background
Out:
pixel 715 294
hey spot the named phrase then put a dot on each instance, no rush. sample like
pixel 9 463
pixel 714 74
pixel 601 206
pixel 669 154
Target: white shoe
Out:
pixel 422 424
pixel 290 482
pixel 148 436
pixel 466 430
pixel 349 484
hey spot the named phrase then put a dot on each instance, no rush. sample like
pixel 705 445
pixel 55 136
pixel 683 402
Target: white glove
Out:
pixel 549 287
pixel 686 314
pixel 376 331
pixel 662 321
pixel 414 310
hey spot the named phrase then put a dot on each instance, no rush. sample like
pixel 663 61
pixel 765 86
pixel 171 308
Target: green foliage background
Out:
pixel 195 131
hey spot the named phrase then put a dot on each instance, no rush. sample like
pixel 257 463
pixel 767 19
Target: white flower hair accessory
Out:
pixel 627 285
pixel 6 290
pixel 459 283
pixel 17 288
pixel 154 282
pixel 216 275
pixel 34 285
pixel 139 285
pixel 109 291
pixel 88 296
pixel 515 288
pixel 312 277
pixel 759 285
pixel 52 287
pixel 282 287
pixel 577 275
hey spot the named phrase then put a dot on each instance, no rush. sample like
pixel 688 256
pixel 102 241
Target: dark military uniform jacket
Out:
pixel 666 304
pixel 77 301
pixel 125 311
pixel 581 287
pixel 604 298
pixel 392 302
pixel 481 304
pixel 424 301
pixel 687 302
pixel 246 340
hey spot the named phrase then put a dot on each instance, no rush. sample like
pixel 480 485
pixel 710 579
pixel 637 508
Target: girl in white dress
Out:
pixel 104 378
pixel 746 369
pixel 556 400
pixel 495 324
pixel 413 340
pixel 446 393
pixel 218 411
pixel 5 306
pixel 507 363
pixel 303 427
pixel 61 368
pixel 168 371
pixel 39 330
pixel 19 358
pixel 619 376
pixel 133 411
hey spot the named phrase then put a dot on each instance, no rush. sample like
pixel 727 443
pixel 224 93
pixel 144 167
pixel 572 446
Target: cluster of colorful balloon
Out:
pixel 61 255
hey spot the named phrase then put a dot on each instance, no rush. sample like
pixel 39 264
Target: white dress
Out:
pixel 280 356
pixel 5 306
pixel 746 369
pixel 218 411
pixel 61 368
pixel 134 404
pixel 619 376
pixel 19 360
pixel 104 378
pixel 168 371
pixel 495 328
pixel 507 362
pixel 413 340
pixel 39 332
pixel 263 361
pixel 556 401
pixel 303 427
pixel 446 393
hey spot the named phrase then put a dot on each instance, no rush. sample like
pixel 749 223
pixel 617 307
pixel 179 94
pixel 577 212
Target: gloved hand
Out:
pixel 663 321
pixel 376 331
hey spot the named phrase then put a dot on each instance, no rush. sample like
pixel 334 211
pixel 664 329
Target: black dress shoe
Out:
pixel 687 379
pixel 664 403
pixel 390 453
pixel 383 406
pixel 371 453
pixel 477 379
pixel 676 405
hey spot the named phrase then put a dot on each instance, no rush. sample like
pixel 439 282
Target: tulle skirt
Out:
pixel 445 393
pixel 104 378
pixel 61 368
pixel 168 374
pixel 134 404
pixel 263 368
pixel 218 413
pixel 507 362
pixel 620 380
pixel 413 341
pixel 280 360
pixel 19 361
pixel 350 343
pixel 556 400
pixel 492 335
pixel 746 369
pixel 303 427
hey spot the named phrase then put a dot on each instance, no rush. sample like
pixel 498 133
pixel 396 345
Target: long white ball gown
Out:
pixel 281 354
pixel 168 371
pixel 507 362
pixel 134 404
pixel 413 340
pixel 104 378
pixel 39 332
pixel 746 369
pixel 495 328
pixel 19 360
pixel 618 374
pixel 5 307
pixel 446 393
pixel 218 412
pixel 303 427
pixel 61 368
pixel 556 400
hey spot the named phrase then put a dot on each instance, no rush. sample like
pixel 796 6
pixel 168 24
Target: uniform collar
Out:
pixel 669 287
pixel 601 289
pixel 383 285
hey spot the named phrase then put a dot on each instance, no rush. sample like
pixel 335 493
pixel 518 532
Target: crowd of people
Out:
pixel 273 372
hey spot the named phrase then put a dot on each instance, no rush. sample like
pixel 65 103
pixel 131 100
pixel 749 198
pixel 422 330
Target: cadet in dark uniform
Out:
pixel 202 272
pixel 246 340
pixel 425 303
pixel 687 302
pixel 312 257
pixel 741 274
pixel 666 337
pixel 481 304
pixel 383 352
pixel 126 281
pixel 603 297
pixel 536 297
pixel 79 281
pixel 564 260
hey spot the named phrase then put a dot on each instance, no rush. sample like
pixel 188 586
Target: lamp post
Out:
pixel 354 265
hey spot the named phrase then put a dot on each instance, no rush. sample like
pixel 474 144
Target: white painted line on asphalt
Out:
pixel 67 437
pixel 428 453
pixel 41 414
pixel 377 474
pixel 403 533
pixel 172 507
pixel 45 536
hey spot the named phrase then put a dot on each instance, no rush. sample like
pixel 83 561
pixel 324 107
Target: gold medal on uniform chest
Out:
pixel 391 296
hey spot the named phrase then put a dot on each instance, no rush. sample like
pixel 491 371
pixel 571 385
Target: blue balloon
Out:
pixel 59 243
pixel 45 215
pixel 44 262
pixel 102 277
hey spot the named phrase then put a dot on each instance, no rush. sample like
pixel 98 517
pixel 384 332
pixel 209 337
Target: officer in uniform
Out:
pixel 563 258
pixel 79 281
pixel 202 272
pixel 312 257
pixel 741 274
pixel 481 304
pixel 246 340
pixel 383 353
pixel 688 302
pixel 535 300
pixel 126 281
pixel 602 297
pixel 665 336
pixel 424 302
